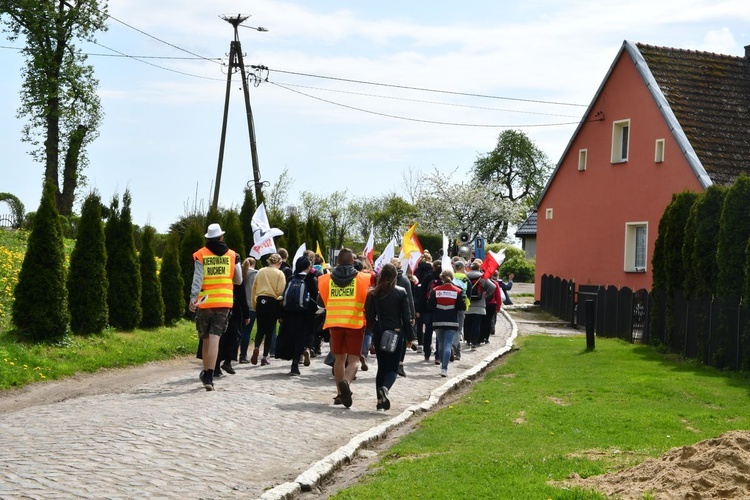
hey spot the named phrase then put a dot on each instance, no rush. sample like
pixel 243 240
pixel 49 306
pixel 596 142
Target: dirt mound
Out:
pixel 714 468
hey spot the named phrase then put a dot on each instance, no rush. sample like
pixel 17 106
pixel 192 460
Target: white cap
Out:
pixel 214 231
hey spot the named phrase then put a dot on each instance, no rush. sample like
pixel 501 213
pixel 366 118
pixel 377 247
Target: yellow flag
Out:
pixel 411 243
pixel 318 252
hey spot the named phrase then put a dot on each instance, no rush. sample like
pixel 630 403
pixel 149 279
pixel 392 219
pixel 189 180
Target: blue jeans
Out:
pixel 366 343
pixel 247 330
pixel 445 340
pixel 427 336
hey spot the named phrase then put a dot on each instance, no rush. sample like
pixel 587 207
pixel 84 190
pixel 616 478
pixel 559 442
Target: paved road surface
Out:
pixel 172 439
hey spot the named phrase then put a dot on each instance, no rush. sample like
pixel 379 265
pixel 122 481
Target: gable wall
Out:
pixel 585 240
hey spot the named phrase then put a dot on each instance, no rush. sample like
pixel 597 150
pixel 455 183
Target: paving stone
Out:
pixel 261 433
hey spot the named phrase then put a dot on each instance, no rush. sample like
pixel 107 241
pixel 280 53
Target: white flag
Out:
pixel 446 260
pixel 300 252
pixel 385 257
pixel 262 230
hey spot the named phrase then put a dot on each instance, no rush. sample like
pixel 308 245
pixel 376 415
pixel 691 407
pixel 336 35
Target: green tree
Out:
pixel 277 198
pixel 392 218
pixel 450 206
pixel 701 265
pixel 659 279
pixel 293 239
pixel 87 274
pixel 171 281
pixel 16 208
pixel 152 304
pixel 124 293
pixel 246 216
pixel 192 241
pixel 338 218
pixel 233 236
pixel 734 231
pixel 673 259
pixel 515 171
pixel 40 308
pixel 314 233
pixel 59 92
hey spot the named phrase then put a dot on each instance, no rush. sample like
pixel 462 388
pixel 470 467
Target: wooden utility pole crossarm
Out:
pixel 236 62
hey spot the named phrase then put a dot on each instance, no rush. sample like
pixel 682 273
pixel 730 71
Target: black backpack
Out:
pixel 476 289
pixel 296 297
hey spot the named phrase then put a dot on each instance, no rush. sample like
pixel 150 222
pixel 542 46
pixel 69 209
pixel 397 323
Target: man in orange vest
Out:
pixel 216 271
pixel 343 293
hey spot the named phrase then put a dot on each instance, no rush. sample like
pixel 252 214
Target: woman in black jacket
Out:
pixel 387 308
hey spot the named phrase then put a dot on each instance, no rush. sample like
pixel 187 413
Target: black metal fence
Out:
pixel 711 329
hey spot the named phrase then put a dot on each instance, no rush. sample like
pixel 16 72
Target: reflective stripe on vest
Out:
pixel 345 306
pixel 218 271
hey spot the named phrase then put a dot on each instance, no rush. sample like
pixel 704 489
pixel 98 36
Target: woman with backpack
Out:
pixel 387 308
pixel 297 313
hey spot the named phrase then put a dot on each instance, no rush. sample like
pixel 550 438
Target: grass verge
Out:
pixel 554 409
pixel 22 363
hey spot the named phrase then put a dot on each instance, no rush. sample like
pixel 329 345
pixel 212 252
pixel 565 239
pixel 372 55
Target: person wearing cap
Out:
pixel 216 270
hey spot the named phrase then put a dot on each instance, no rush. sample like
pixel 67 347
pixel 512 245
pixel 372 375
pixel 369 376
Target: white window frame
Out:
pixel 634 237
pixel 548 213
pixel 659 151
pixel 620 141
pixel 583 155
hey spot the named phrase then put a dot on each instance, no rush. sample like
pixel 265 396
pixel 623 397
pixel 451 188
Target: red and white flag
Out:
pixel 492 261
pixel 369 250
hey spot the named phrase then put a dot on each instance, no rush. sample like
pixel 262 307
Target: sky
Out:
pixel 357 95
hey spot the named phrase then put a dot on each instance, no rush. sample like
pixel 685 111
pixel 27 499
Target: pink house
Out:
pixel 663 121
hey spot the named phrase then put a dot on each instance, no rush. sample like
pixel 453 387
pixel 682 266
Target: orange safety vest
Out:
pixel 217 289
pixel 345 306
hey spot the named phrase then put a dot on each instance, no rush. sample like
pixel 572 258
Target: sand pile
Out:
pixel 715 468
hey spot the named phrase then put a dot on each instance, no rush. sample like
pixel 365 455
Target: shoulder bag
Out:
pixel 388 338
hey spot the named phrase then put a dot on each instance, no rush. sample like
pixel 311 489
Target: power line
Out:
pixel 160 40
pixel 122 54
pixel 422 89
pixel 426 102
pixel 434 122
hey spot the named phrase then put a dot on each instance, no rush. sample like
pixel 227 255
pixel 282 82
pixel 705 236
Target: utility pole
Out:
pixel 235 61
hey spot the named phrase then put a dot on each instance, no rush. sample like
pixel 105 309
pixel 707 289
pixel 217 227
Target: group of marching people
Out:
pixel 359 311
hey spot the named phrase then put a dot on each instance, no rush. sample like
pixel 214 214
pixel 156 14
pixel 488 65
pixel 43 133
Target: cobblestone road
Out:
pixel 172 439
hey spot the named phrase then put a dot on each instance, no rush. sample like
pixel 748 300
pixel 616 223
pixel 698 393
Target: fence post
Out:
pixel 739 330
pixel 590 325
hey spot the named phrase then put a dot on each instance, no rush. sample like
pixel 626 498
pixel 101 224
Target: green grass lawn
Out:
pixel 22 363
pixel 553 409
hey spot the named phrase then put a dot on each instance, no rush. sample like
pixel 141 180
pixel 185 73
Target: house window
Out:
pixel 659 151
pixel 636 245
pixel 548 214
pixel 582 156
pixel 620 141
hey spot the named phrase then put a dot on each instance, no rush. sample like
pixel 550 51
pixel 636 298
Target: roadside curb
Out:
pixel 327 466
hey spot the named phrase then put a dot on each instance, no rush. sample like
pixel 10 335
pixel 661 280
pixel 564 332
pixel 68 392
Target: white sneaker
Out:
pixel 420 349
pixel 444 372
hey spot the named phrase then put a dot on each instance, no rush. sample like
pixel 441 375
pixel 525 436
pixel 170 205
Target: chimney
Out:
pixel 747 51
